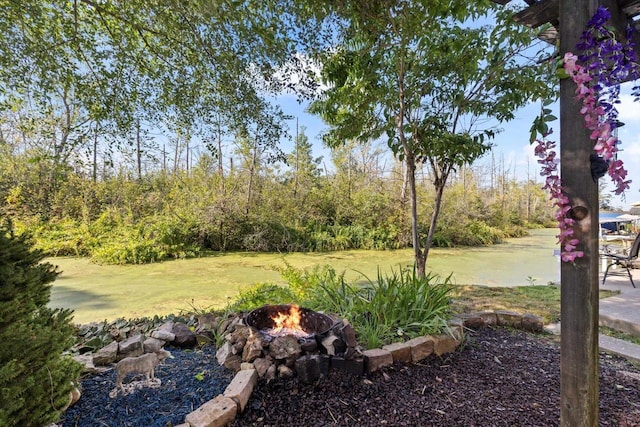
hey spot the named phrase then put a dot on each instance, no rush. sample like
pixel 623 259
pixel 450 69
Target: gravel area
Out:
pixel 187 381
pixel 498 377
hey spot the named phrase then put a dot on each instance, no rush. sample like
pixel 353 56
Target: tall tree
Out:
pixel 425 74
pixel 304 167
pixel 116 61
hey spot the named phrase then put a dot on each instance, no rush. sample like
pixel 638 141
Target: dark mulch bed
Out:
pixel 498 378
pixel 188 380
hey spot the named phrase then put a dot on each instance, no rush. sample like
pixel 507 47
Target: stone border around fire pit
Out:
pixel 223 409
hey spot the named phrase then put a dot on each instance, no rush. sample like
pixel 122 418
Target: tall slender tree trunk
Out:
pixel 220 167
pixel 439 185
pixel 94 172
pixel 188 158
pixel 164 158
pixel 138 151
pixel 420 259
pixel 405 183
pixel 223 192
pixel 297 148
pixel 252 170
pixel 175 154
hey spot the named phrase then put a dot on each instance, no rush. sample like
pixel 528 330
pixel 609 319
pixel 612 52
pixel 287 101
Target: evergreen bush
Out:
pixel 35 377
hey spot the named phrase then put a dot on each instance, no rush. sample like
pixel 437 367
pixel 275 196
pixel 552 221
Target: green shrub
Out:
pixel 441 240
pixel 260 294
pixel 329 292
pixel 154 241
pixel 395 307
pixel 407 305
pixel 61 238
pixel 467 233
pixel 129 252
pixel 35 377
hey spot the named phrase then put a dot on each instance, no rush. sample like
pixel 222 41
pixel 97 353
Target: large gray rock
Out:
pixel 106 355
pixel 308 368
pixel 184 336
pixel 224 351
pixel 131 347
pixel 163 335
pixel 166 326
pixel 531 322
pixel 252 349
pixel 207 322
pixel 152 345
pixel 86 360
pixel 262 365
pixel 285 348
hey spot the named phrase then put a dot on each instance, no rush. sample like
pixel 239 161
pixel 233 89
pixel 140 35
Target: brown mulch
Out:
pixel 498 377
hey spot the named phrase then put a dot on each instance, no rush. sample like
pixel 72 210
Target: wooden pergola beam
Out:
pixel 630 7
pixel 541 12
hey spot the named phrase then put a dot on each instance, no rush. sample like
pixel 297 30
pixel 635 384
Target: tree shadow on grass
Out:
pixel 66 297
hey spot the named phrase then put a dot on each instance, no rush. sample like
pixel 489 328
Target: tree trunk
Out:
pixel 220 168
pixel 94 172
pixel 252 170
pixel 405 183
pixel 138 151
pixel 187 154
pixel 439 186
pixel 420 259
pixel 297 170
pixel 175 153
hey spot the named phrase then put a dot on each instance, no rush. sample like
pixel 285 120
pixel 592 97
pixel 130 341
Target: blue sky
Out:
pixel 513 143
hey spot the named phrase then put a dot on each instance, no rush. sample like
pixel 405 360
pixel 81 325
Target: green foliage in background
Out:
pixel 178 216
pixel 131 140
pixel 35 377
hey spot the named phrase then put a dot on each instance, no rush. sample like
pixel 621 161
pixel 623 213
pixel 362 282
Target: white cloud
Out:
pixel 629 111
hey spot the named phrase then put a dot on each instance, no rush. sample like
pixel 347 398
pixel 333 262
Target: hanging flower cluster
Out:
pixel 545 151
pixel 601 119
pixel 606 63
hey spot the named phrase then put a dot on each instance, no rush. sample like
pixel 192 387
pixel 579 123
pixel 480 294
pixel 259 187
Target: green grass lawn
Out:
pixel 543 301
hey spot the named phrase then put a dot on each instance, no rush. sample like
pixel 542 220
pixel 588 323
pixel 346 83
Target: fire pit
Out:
pixel 284 339
pixel 289 319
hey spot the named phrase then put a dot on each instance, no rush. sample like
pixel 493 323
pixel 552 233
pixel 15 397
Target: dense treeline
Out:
pixel 300 203
pixel 138 131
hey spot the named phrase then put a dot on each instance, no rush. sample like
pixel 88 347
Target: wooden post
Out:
pixel 579 289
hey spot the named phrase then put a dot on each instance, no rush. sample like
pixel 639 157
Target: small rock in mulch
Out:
pixel 182 384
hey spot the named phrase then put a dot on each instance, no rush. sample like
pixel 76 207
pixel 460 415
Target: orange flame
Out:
pixel 288 322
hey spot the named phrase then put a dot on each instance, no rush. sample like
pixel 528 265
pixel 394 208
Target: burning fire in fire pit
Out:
pixel 288 324
pixel 289 319
pixel 278 339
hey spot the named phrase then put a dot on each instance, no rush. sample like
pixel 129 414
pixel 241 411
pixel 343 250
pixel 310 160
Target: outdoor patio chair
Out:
pixel 625 261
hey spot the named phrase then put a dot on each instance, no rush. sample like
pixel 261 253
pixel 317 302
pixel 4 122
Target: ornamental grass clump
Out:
pixel 394 307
